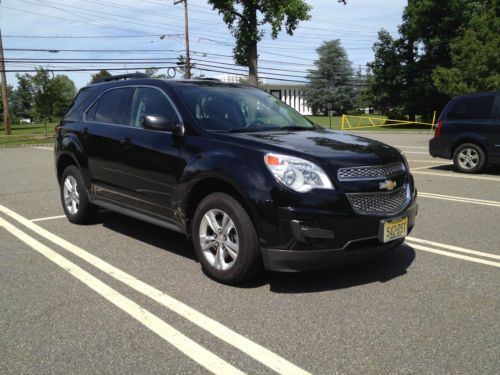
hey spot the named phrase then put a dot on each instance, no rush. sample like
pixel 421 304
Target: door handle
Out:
pixel 85 132
pixel 125 142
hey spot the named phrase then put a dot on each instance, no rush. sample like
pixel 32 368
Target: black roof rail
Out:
pixel 122 76
pixel 209 79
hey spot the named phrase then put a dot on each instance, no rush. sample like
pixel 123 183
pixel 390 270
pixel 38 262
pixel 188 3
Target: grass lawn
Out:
pixel 27 134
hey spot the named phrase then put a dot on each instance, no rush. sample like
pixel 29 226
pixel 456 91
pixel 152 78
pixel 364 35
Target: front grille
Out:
pixel 379 171
pixel 380 203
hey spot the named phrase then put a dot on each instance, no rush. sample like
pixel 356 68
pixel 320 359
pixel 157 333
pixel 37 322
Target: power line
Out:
pixel 91 36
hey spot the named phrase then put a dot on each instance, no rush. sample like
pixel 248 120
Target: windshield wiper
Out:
pixel 236 130
pixel 290 127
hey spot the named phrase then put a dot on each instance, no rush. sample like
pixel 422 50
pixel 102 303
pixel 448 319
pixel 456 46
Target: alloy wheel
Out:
pixel 468 158
pixel 71 196
pixel 219 239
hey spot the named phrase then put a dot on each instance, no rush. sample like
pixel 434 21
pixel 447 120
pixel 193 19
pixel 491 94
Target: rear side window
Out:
pixel 474 108
pixel 90 115
pixel 79 104
pixel 149 101
pixel 114 106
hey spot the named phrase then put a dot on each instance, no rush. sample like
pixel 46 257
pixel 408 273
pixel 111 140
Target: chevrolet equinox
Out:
pixel 248 179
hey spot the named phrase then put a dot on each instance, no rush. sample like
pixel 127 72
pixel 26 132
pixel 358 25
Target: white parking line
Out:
pixel 412 146
pixel 44 148
pixel 415 152
pixel 48 218
pixel 247 346
pixel 456 175
pixel 455 255
pixel 187 346
pixel 453 248
pixel 459 199
pixel 429 161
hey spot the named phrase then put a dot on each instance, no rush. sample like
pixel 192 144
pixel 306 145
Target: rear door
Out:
pixel 470 117
pixel 150 159
pixel 104 123
pixel 496 132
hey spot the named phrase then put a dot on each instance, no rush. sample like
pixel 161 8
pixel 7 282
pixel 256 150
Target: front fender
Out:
pixel 245 175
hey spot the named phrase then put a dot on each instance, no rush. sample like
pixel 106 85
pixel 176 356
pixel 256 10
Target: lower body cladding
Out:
pixel 320 240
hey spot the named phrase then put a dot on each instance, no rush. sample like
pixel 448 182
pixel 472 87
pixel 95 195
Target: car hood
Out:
pixel 337 148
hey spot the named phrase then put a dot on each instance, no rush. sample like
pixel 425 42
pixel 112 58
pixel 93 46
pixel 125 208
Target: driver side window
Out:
pixel 150 101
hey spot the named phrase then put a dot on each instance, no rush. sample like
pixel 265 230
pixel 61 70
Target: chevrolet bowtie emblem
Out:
pixel 387 185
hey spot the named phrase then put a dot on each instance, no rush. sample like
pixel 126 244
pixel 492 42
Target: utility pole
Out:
pixel 5 99
pixel 186 32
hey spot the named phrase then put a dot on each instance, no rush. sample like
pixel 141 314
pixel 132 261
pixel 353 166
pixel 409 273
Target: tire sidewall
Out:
pixel 482 158
pixel 247 238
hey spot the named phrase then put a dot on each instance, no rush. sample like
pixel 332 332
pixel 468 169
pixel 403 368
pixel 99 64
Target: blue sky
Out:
pixel 137 25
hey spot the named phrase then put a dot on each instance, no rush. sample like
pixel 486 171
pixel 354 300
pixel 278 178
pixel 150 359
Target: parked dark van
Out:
pixel 247 178
pixel 468 131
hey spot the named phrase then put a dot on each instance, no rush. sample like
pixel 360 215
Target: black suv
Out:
pixel 468 130
pixel 243 175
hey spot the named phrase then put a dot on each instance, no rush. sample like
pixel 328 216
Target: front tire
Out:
pixel 469 158
pixel 74 197
pixel 225 240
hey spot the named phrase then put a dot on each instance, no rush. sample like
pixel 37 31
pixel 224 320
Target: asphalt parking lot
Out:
pixel 122 296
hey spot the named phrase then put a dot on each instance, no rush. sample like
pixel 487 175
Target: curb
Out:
pixel 28 145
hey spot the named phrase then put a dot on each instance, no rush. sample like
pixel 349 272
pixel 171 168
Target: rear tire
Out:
pixel 225 240
pixel 469 158
pixel 74 197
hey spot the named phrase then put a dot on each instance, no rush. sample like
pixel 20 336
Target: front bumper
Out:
pixel 334 241
pixel 296 261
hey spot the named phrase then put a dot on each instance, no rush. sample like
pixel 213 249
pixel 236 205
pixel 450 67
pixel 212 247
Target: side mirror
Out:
pixel 162 123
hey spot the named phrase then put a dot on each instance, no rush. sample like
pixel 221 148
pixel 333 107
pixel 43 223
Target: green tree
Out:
pixel 43 96
pixel 385 86
pixel 11 101
pixel 51 96
pixel 64 91
pixel 24 96
pixel 431 25
pixel 331 86
pixel 475 58
pixel 245 19
pixel 153 73
pixel 413 74
pixel 103 73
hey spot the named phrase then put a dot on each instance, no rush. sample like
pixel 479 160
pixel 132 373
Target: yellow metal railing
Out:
pixel 351 122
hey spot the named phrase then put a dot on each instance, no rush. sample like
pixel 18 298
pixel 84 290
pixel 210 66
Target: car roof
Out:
pixel 170 82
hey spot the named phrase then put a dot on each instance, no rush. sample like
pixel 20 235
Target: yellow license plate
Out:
pixel 394 229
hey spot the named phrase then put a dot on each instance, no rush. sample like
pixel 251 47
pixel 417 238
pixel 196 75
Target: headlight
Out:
pixel 297 174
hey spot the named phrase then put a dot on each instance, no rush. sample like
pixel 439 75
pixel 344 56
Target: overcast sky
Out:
pixel 137 25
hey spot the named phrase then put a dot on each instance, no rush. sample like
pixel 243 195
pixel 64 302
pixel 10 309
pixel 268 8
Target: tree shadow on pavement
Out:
pixel 381 269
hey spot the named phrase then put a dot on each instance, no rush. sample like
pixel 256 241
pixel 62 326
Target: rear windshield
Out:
pixel 240 109
pixel 472 108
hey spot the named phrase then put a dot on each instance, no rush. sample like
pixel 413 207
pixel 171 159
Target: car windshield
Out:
pixel 240 109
